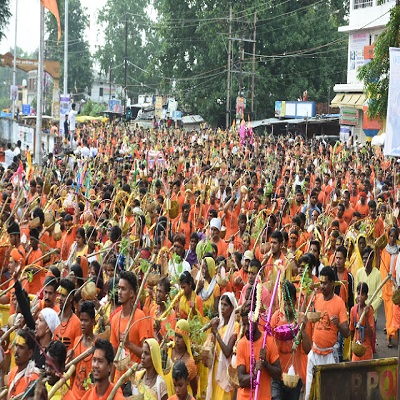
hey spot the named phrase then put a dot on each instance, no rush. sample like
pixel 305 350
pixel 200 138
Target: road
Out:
pixel 382 351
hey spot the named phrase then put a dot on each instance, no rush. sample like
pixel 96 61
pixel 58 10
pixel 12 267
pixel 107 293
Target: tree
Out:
pixel 79 58
pixel 5 14
pixel 128 21
pixel 298 48
pixel 184 53
pixel 93 109
pixel 375 74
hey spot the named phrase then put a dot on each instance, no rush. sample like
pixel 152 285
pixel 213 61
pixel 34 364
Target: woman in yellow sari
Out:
pixel 225 329
pixel 210 290
pixel 181 350
pixel 190 304
pixel 150 381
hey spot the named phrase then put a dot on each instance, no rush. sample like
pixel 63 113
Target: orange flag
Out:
pixel 51 5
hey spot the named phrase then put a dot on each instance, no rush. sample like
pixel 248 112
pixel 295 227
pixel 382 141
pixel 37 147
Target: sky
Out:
pixel 28 16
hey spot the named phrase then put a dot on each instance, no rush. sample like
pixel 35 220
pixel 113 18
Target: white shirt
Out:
pixel 173 268
pixel 93 151
pixel 85 152
pixel 8 159
pixel 17 151
pixel 72 119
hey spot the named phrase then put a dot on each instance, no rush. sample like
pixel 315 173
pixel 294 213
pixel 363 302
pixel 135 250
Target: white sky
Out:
pixel 28 24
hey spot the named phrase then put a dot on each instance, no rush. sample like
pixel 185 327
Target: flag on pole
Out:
pixel 51 5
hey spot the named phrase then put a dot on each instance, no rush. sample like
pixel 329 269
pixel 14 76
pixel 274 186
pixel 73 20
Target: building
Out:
pixel 367 19
pixel 102 90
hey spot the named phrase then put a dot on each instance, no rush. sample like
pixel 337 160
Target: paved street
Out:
pixel 382 351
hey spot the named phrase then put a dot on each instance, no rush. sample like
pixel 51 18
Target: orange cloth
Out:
pixel 171 320
pixel 51 5
pixel 138 331
pixel 325 332
pixel 68 332
pixel 387 291
pixel 237 289
pixel 20 386
pixel 185 228
pixel 92 394
pixel 354 318
pixel 222 247
pixel 39 274
pixel 285 346
pixel 67 240
pixel 83 369
pixel 243 358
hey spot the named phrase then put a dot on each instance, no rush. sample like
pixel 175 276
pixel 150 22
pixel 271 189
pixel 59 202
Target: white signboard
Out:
pixel 392 139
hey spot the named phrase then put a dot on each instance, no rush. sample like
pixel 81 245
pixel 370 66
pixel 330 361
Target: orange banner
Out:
pixel 51 5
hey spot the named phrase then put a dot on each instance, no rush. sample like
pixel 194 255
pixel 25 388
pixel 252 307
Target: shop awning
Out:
pixel 361 101
pixel 337 100
pixel 355 100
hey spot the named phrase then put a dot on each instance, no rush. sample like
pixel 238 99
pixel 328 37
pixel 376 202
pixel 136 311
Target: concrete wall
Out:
pixel 11 131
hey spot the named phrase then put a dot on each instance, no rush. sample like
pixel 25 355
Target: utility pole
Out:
pixel 15 61
pixel 66 47
pixel 38 137
pixel 228 81
pixel 126 60
pixel 253 73
pixel 241 59
pixel 109 95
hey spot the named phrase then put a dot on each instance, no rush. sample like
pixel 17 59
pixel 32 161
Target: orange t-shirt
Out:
pixel 67 333
pixel 243 358
pixel 362 209
pixel 185 228
pixel 367 342
pixel 66 242
pixel 237 289
pixel 222 247
pixel 83 369
pixel 20 385
pixel 92 394
pixel 39 275
pixel 285 346
pixel 325 332
pixel 171 320
pixel 138 332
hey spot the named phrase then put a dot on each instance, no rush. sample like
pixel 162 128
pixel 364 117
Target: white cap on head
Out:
pixel 51 318
pixel 215 223
pixel 248 255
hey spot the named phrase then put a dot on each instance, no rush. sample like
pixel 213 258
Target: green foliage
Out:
pixel 5 14
pixel 79 57
pixel 115 17
pixel 93 109
pixel 197 336
pixel 203 247
pixel 375 74
pixel 184 53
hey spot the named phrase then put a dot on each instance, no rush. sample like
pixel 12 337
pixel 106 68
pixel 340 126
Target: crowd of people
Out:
pixel 172 264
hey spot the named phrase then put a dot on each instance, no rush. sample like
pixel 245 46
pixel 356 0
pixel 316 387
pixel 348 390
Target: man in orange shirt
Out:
pixel 38 274
pixel 215 228
pixel 25 371
pixel 183 225
pixel 70 326
pixel 379 228
pixel 138 331
pixel 266 360
pixel 102 366
pixel 340 218
pixel 333 320
pixel 362 206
